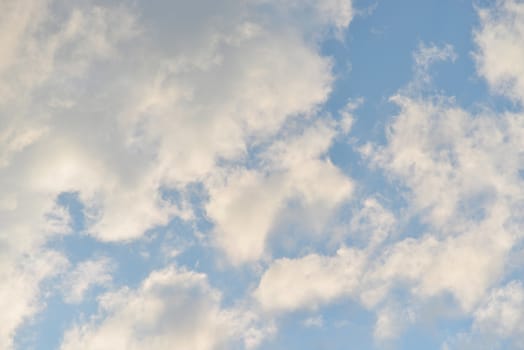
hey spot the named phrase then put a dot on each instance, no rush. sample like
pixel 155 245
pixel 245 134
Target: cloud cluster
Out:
pixel 114 103
pixel 461 176
pixel 172 308
pixel 123 103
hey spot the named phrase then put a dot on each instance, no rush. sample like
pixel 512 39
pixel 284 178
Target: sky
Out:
pixel 261 174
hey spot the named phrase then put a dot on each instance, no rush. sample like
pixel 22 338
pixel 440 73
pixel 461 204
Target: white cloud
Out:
pixel 111 101
pixel 461 175
pixel 500 53
pixel 244 204
pixel 497 322
pixel 20 292
pixel 391 321
pixel 172 308
pixel 437 150
pixel 310 281
pixel 427 55
pixel 466 267
pixel 372 223
pixel 503 312
pixel 116 106
pixel 87 274
pixel 41 54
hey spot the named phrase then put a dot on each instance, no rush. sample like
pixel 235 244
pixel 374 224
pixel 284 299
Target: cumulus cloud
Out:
pixel 437 151
pixel 460 173
pixel 497 321
pixel 172 308
pixel 112 102
pixel 501 30
pixel 41 54
pixel 244 204
pixel 502 313
pixel 310 281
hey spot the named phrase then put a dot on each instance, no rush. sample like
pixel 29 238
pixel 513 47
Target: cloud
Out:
pixel 87 274
pixel 427 267
pixel 435 148
pixel 20 293
pixel 172 308
pixel 497 321
pixel 502 313
pixel 112 102
pixel 460 175
pixel 427 55
pixel 371 223
pixel 41 54
pixel 245 204
pixel 121 103
pixel 310 281
pixel 391 321
pixel 501 29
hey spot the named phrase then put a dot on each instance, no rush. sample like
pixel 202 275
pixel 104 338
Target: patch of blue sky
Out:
pixel 45 331
pixel 175 243
pixel 436 320
pixel 202 257
pixel 183 243
pixel 340 326
pixel 431 335
pixel 375 62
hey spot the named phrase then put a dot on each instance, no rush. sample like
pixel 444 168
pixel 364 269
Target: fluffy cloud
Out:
pixel 43 53
pixel 172 308
pixel 503 312
pixel 111 101
pixel 310 281
pixel 501 30
pixel 497 321
pixel 460 174
pixel 314 280
pixel 438 151
pixel 244 204
pixel 20 291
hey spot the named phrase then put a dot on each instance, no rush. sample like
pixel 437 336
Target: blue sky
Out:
pixel 226 174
